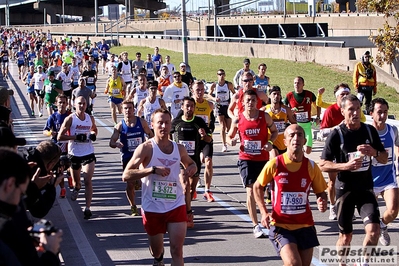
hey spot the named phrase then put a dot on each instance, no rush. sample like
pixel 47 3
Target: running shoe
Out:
pixel 62 192
pixel 33 113
pixel 224 148
pixel 87 214
pixel 333 213
pixel 40 114
pixel 134 211
pixel 258 233
pixel 74 195
pixel 158 263
pixel 199 184
pixel 190 220
pixel 70 183
pixel 385 239
pixel 208 196
pixel 268 201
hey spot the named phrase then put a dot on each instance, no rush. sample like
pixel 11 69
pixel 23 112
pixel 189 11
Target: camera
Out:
pixel 43 226
pixel 63 163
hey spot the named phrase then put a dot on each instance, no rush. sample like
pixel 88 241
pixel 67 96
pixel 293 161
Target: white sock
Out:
pixel 382 225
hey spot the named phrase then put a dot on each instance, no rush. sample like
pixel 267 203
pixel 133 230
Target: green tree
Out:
pixel 387 38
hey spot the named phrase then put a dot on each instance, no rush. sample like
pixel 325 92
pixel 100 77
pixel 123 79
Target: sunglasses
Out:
pixel 247 80
pixel 177 76
pixel 221 74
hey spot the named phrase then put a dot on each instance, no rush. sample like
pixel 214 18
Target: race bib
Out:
pixel 164 190
pixel 85 50
pixel 5 58
pixel 189 145
pixel 48 88
pixel 365 162
pixel 293 202
pixel 156 63
pixel 280 125
pixel 178 106
pixel 223 97
pixel 390 158
pixel 115 91
pixel 133 143
pixel 252 147
pixel 150 72
pixel 90 80
pixel 302 117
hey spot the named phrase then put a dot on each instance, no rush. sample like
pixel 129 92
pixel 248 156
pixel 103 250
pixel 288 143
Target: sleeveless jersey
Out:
pixel 241 107
pixel 149 108
pixel 4 58
pixel 75 74
pixel 385 174
pixel 140 95
pixel 262 82
pixel 149 66
pixel 161 194
pixel 78 148
pixel 126 70
pixel 223 93
pixel 301 110
pixel 253 135
pixel 204 111
pixel 94 52
pixel 280 121
pixel 290 194
pixel 115 87
pixel 156 59
pixel 163 82
pixel 29 76
pixel 131 138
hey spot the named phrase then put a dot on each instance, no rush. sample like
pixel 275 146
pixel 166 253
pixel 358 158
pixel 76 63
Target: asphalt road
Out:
pixel 222 234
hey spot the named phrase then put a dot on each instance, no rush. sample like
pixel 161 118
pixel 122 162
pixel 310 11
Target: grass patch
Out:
pixel 281 72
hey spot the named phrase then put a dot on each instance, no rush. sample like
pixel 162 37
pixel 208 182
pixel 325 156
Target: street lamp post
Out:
pixel 63 11
pixel 184 29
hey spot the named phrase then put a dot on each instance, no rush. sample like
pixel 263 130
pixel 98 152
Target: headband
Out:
pixel 341 90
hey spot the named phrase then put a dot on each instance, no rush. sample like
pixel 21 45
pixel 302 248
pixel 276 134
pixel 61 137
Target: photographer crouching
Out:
pixel 45 163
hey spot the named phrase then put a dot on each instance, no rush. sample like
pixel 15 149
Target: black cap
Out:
pixel 8 139
pixel 51 73
pixel 247 61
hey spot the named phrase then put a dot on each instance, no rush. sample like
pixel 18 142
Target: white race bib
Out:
pixel 365 162
pixel 133 143
pixel 189 145
pixel 293 202
pixel 280 125
pixel 164 190
pixel 302 117
pixel 204 117
pixel 252 147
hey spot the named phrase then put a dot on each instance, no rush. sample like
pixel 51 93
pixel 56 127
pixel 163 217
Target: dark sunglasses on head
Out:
pixel 221 74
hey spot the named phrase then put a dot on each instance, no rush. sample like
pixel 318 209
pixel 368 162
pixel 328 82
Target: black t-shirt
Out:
pixel 187 78
pixel 361 179
pixel 186 133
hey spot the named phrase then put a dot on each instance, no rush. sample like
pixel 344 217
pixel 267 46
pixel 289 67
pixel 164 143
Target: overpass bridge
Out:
pixel 38 11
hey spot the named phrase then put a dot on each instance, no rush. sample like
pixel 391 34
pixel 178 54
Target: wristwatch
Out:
pixel 154 168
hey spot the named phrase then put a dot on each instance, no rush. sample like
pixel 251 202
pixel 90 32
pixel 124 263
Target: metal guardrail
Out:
pixel 280 41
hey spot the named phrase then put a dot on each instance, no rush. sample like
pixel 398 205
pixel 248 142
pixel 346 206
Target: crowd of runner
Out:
pixel 166 135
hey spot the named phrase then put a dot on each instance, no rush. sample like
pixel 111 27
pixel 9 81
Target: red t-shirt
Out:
pixel 332 117
pixel 253 135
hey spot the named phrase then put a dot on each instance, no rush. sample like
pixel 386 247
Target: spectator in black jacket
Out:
pixel 14 181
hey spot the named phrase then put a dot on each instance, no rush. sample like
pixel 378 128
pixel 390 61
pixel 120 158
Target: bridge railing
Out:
pixel 280 41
